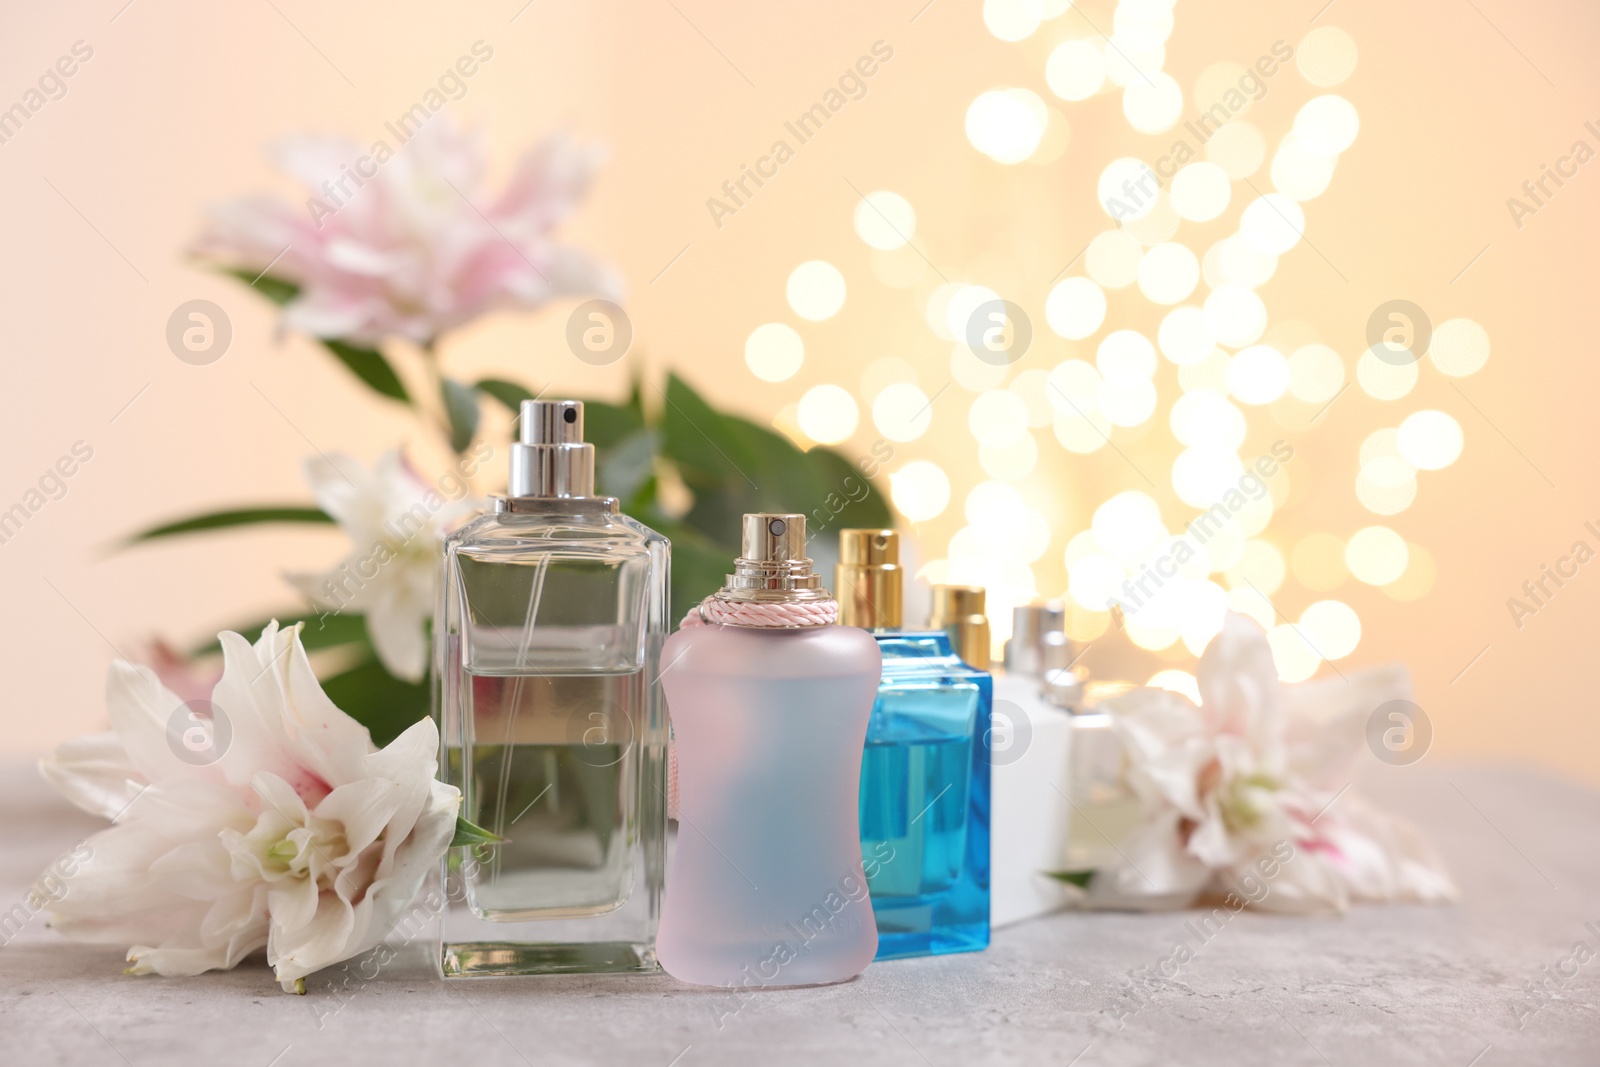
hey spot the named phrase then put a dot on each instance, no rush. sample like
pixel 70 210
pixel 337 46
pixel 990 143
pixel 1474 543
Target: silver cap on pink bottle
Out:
pixel 550 458
pixel 772 563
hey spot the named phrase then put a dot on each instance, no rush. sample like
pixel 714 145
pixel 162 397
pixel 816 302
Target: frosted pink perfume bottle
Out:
pixel 769 702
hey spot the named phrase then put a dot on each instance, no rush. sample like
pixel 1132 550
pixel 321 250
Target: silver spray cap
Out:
pixel 772 563
pixel 1038 643
pixel 1065 688
pixel 550 459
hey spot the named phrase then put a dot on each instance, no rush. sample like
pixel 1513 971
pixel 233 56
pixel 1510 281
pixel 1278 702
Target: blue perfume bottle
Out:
pixel 925 771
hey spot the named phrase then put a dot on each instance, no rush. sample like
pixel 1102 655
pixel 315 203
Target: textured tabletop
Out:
pixel 1440 986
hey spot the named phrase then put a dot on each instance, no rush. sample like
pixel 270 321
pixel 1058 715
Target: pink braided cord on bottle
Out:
pixel 786 614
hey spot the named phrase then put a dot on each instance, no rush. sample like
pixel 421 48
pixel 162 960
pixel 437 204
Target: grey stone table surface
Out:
pixel 1401 984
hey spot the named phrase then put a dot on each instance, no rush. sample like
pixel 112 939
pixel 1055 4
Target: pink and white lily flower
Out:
pixel 418 246
pixel 1253 781
pixel 264 818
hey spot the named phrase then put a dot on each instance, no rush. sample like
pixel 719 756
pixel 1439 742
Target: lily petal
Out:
pixel 299 838
pixel 95 774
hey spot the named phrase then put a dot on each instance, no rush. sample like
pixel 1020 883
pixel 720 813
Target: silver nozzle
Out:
pixel 774 539
pixel 550 458
pixel 1064 687
pixel 772 563
pixel 1038 643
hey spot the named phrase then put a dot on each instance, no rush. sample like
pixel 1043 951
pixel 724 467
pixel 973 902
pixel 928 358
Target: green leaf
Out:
pixel 606 425
pixel 322 630
pixel 471 834
pixel 461 405
pixel 1077 878
pixel 698 438
pixel 735 466
pixel 509 393
pixel 378 700
pixel 369 365
pixel 626 467
pixel 217 520
pixel 277 290
pixel 635 402
pixel 850 499
pixel 699 564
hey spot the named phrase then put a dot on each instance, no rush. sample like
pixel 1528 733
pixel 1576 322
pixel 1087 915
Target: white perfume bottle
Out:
pixel 1104 809
pixel 1030 754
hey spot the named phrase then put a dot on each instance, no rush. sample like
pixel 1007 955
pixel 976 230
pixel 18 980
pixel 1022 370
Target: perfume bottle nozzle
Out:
pixel 773 538
pixel 551 422
pixel 550 458
pixel 772 563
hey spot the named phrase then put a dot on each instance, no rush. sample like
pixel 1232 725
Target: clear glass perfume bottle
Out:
pixel 548 636
pixel 769 710
pixel 924 805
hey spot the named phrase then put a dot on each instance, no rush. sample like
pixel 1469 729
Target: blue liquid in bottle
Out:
pixel 925 799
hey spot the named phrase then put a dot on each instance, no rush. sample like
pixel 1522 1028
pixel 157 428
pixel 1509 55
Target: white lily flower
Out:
pixel 396 522
pixel 290 832
pixel 1246 790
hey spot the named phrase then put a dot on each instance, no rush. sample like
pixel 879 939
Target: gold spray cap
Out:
pixel 868 580
pixel 959 611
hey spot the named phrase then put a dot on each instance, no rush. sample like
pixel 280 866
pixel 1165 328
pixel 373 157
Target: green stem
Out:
pixel 441 418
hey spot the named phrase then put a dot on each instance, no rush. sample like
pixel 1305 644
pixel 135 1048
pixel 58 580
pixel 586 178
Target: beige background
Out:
pixel 105 187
